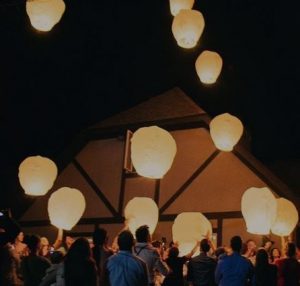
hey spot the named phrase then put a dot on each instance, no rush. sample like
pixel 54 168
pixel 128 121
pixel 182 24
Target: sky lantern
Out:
pixel 286 219
pixel 226 130
pixel 188 228
pixel 208 66
pixel 152 151
pixel 259 207
pixel 44 14
pixel 141 211
pixel 187 28
pixel 65 207
pixel 177 5
pixel 37 175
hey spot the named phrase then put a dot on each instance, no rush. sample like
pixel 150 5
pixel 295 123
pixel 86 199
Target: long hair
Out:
pixel 261 265
pixel 80 268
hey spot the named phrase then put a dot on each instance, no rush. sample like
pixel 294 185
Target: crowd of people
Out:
pixel 29 260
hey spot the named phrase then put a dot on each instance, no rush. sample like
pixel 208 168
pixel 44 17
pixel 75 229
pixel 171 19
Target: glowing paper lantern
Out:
pixel 286 219
pixel 44 14
pixel 208 66
pixel 37 175
pixel 140 211
pixel 65 207
pixel 152 151
pixel 187 28
pixel 259 208
pixel 226 130
pixel 188 228
pixel 177 5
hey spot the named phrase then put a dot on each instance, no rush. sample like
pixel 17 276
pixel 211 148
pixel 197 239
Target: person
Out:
pixel 50 277
pixel 201 268
pixel 78 268
pixel 100 250
pixel 46 248
pixel 124 268
pixel 265 274
pixel 250 251
pixel 267 244
pixel 234 269
pixel 275 254
pixel 20 247
pixel 288 268
pixel 9 261
pixel 148 253
pixel 33 266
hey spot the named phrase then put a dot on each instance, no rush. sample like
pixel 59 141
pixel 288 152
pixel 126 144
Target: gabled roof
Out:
pixel 168 105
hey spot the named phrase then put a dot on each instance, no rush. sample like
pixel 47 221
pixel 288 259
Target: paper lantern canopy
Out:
pixel 152 151
pixel 259 208
pixel 37 175
pixel 226 130
pixel 141 211
pixel 188 228
pixel 208 66
pixel 187 28
pixel 65 207
pixel 286 219
pixel 44 14
pixel 177 5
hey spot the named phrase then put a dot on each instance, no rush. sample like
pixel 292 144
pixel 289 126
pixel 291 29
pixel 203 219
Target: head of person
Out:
pixel 80 250
pixel 33 243
pixel 275 253
pixel 236 243
pixel 100 236
pixel 125 240
pixel 291 250
pixel 20 237
pixel 56 257
pixel 142 234
pixel 204 245
pixel 262 258
pixel 157 244
pixel 173 252
pixel 251 245
pixel 220 251
pixel 45 247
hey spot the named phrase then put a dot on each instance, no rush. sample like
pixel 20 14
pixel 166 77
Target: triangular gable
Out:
pixel 171 104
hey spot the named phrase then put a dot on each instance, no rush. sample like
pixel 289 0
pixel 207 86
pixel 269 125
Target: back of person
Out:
pixel 33 269
pixel 78 269
pixel 201 270
pixel 288 272
pixel 148 253
pixel 264 272
pixel 124 268
pixel 175 276
pixel 289 268
pixel 234 270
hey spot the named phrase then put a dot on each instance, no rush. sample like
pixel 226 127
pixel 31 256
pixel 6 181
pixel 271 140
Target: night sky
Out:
pixel 106 56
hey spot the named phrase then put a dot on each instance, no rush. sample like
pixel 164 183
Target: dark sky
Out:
pixel 106 56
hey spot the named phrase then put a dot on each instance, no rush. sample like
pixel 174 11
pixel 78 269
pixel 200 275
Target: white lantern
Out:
pixel 226 130
pixel 141 211
pixel 177 5
pixel 208 66
pixel 187 28
pixel 188 228
pixel 44 14
pixel 259 208
pixel 286 219
pixel 65 207
pixel 37 175
pixel 152 151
